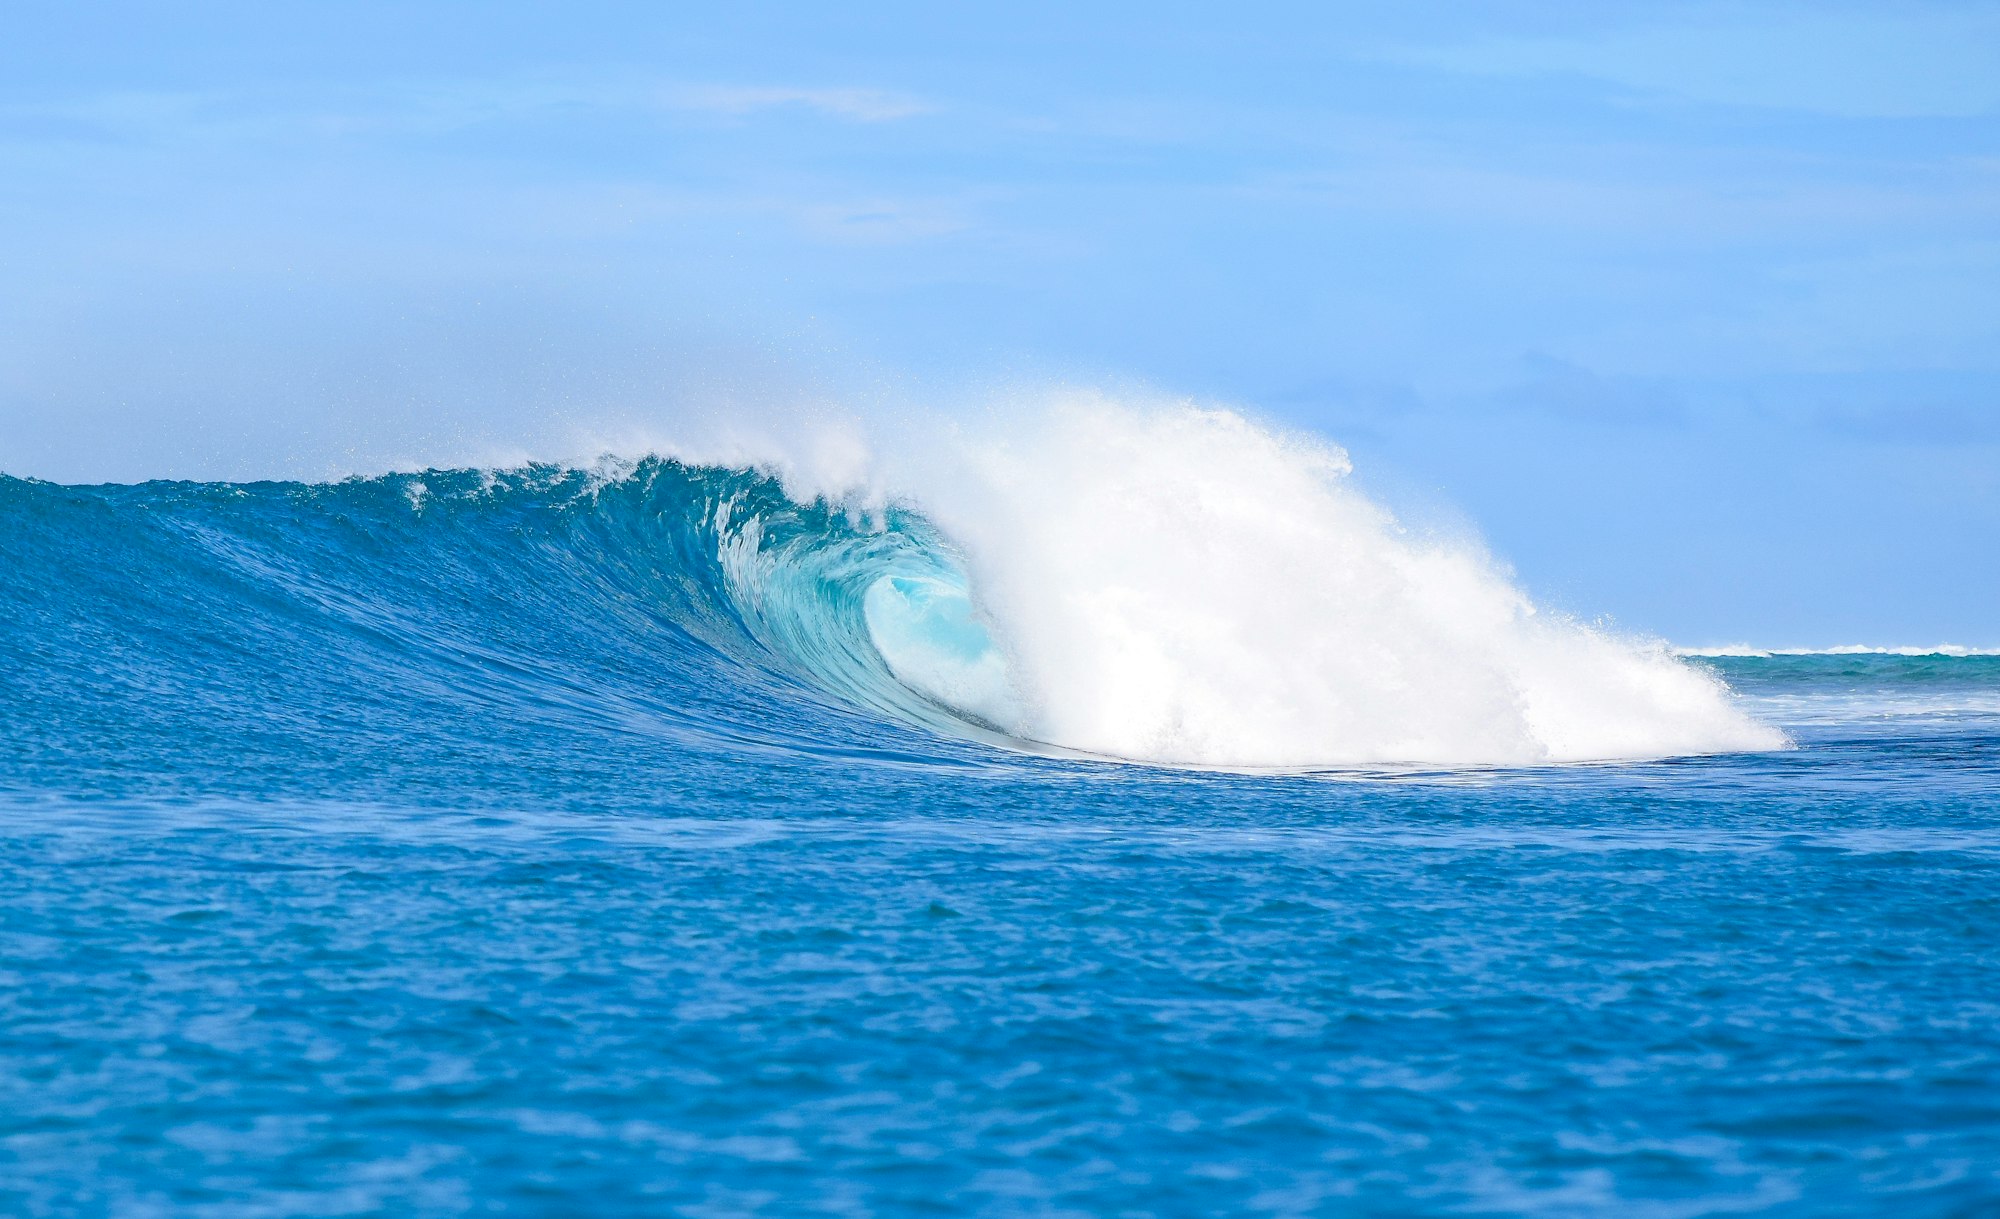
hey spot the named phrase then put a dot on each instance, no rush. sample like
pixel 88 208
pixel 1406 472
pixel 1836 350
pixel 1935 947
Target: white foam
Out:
pixel 1182 585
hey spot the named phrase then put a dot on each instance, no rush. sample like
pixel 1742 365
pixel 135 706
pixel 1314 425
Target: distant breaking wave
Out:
pixel 1853 649
pixel 1158 584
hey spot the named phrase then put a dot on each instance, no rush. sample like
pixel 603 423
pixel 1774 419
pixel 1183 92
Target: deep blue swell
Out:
pixel 552 844
pixel 461 636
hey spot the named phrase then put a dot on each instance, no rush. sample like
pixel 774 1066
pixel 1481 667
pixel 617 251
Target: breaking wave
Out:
pixel 1162 584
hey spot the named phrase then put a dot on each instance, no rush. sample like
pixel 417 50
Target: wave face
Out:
pixel 1172 586
pixel 462 621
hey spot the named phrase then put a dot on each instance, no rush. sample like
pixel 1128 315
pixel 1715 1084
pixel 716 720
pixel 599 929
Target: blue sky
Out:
pixel 1694 309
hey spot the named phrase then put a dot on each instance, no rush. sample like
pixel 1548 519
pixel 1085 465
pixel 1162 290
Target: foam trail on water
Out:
pixel 1166 583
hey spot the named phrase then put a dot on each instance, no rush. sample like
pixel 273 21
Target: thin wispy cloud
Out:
pixel 854 104
pixel 1893 63
pixel 416 107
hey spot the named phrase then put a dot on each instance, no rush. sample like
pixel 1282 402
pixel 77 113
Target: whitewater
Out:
pixel 1099 805
pixel 1180 585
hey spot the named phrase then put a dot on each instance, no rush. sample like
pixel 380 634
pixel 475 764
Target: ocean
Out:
pixel 656 838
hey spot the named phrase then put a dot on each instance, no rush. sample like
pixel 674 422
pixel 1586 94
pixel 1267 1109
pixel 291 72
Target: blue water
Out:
pixel 555 843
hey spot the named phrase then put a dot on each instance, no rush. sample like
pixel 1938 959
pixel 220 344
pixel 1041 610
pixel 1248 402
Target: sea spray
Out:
pixel 1175 584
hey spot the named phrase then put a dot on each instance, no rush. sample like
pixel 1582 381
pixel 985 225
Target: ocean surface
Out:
pixel 641 841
